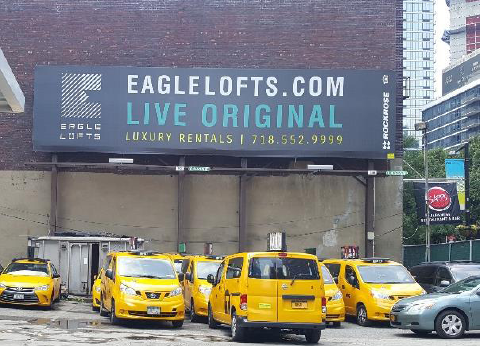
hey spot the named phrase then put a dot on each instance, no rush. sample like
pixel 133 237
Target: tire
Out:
pixel 193 316
pixel 362 316
pixel 450 324
pixel 336 324
pixel 94 308
pixel 50 307
pixel 421 332
pixel 177 324
pixel 312 336
pixel 238 333
pixel 113 316
pixel 212 324
pixel 103 311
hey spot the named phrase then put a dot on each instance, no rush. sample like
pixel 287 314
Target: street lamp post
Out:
pixel 422 126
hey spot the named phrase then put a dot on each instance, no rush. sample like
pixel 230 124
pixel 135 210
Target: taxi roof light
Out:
pixel 375 260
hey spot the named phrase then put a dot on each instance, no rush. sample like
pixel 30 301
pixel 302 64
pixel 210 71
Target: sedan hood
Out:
pixel 24 280
pixel 417 299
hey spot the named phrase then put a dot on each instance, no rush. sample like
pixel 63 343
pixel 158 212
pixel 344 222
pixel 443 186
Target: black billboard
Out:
pixel 442 200
pixel 237 112
pixel 461 75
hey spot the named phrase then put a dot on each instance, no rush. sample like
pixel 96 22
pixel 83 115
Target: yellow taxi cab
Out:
pixel 30 281
pixel 196 289
pixel 371 286
pixel 141 285
pixel 335 304
pixel 96 289
pixel 277 290
pixel 178 260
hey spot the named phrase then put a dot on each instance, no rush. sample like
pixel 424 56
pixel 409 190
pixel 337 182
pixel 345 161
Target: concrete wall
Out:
pixel 318 212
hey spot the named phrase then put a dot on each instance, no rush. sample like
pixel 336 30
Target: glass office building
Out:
pixel 418 61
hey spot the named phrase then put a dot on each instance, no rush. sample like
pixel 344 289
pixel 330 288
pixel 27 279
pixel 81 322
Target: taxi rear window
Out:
pixel 283 268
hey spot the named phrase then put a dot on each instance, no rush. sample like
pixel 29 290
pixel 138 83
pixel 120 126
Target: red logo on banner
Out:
pixel 439 199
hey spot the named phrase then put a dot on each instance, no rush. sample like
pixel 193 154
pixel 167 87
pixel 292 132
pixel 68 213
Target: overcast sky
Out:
pixel 442 50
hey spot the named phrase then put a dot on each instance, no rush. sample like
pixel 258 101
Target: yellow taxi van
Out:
pixel 335 305
pixel 96 289
pixel 196 289
pixel 141 285
pixel 276 290
pixel 178 261
pixel 371 286
pixel 30 281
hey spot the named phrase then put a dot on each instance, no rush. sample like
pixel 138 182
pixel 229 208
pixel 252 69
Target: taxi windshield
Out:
pixel 378 274
pixel 145 268
pixel 327 277
pixel 283 268
pixel 27 269
pixel 206 267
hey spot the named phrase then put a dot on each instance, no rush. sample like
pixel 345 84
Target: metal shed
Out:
pixel 78 259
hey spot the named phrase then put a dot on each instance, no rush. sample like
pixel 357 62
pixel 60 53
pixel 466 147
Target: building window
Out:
pixel 473 33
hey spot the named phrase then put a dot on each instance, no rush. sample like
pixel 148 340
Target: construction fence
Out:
pixel 468 250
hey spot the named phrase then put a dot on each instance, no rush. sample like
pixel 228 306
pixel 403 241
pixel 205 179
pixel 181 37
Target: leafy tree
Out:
pixel 413 232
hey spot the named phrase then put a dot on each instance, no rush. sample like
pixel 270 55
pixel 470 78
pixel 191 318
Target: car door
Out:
pixel 56 281
pixel 107 299
pixel 348 287
pixel 475 310
pixel 232 284
pixel 298 290
pixel 188 284
pixel 262 289
pixel 217 297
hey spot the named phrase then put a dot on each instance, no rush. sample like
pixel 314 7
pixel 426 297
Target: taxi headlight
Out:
pixel 127 290
pixel 176 292
pixel 379 295
pixel 418 308
pixel 2 285
pixel 42 288
pixel 337 296
pixel 98 289
pixel 205 290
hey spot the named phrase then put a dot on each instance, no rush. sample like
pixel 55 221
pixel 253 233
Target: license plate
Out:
pixel 393 318
pixel 18 296
pixel 299 305
pixel 153 310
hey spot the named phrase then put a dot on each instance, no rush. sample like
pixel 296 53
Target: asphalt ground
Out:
pixel 74 323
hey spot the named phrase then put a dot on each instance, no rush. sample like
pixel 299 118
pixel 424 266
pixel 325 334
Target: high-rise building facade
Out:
pixel 418 61
pixel 464 32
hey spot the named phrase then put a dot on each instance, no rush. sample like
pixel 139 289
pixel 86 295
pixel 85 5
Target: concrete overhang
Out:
pixel 12 99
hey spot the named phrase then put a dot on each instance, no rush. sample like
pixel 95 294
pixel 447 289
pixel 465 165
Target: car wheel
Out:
pixel 50 306
pixel 103 311
pixel 212 324
pixel 421 332
pixel 336 324
pixel 96 309
pixel 113 316
pixel 177 324
pixel 450 324
pixel 362 317
pixel 193 316
pixel 238 333
pixel 312 336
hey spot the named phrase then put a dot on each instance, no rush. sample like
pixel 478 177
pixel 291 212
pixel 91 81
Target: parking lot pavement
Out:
pixel 72 323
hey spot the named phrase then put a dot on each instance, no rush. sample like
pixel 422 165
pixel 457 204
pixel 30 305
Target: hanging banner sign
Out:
pixel 236 112
pixel 442 200
pixel 455 169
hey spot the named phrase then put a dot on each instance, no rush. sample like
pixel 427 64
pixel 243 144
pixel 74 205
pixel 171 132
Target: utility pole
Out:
pixel 467 184
pixel 422 126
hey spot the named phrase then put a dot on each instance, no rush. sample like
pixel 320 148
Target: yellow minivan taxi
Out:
pixel 30 282
pixel 371 286
pixel 196 289
pixel 141 285
pixel 178 260
pixel 96 289
pixel 335 304
pixel 276 290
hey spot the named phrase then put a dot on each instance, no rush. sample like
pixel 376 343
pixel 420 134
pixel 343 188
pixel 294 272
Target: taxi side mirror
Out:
pixel 211 279
pixel 109 274
pixel 336 280
pixel 181 277
pixel 95 277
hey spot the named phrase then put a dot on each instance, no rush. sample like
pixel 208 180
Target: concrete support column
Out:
pixel 242 221
pixel 369 212
pixel 52 227
pixel 180 205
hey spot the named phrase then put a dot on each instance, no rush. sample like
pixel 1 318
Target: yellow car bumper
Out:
pixel 96 299
pixel 380 311
pixel 335 311
pixel 35 298
pixel 201 306
pixel 136 309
